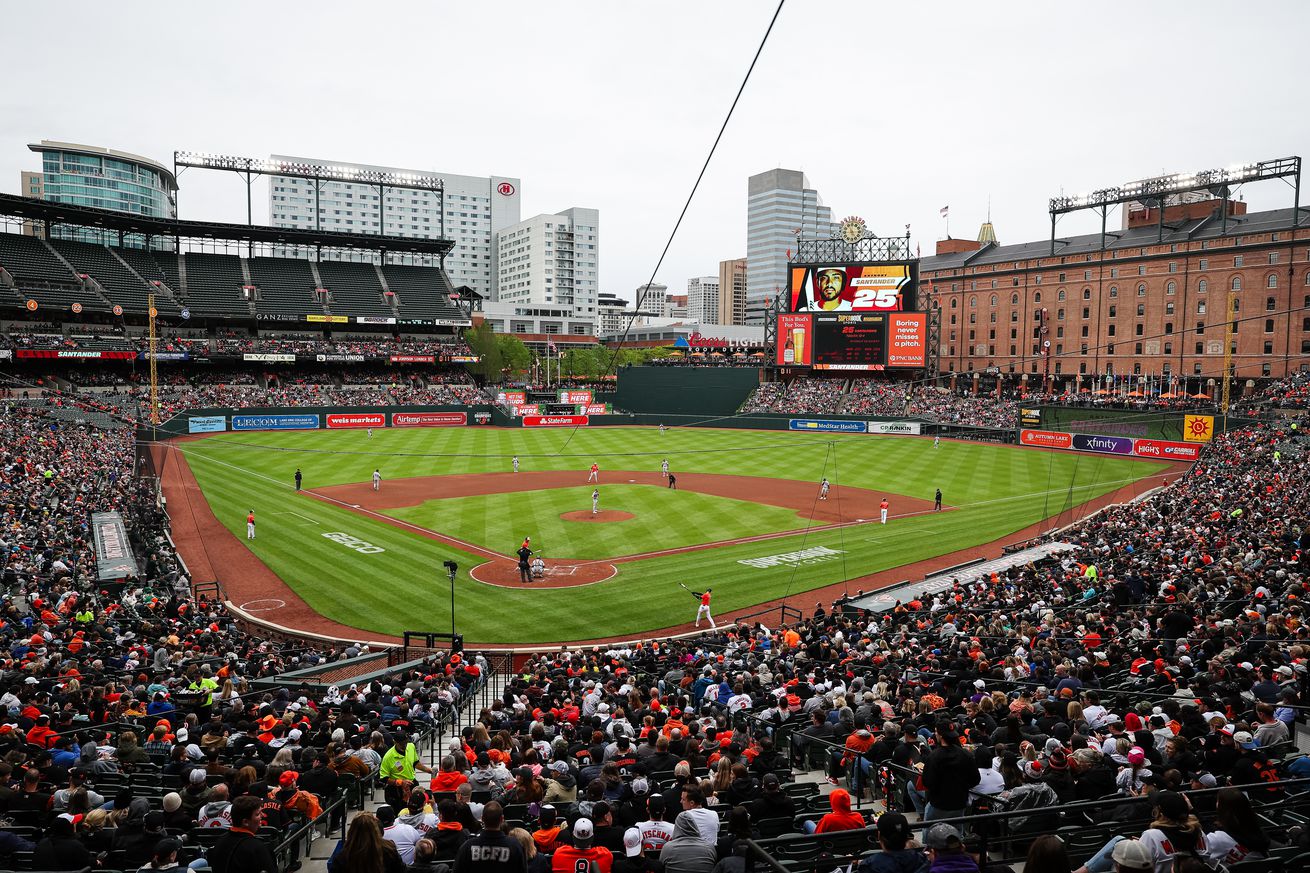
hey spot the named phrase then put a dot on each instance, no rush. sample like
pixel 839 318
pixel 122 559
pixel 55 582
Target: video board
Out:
pixel 850 341
pixel 853 340
pixel 885 287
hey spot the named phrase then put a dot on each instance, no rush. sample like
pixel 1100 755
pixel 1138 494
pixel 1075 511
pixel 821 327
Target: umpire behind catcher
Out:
pixel 525 566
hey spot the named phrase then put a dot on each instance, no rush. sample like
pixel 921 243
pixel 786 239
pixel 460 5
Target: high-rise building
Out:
pixel 652 298
pixel 703 299
pixel 85 175
pixel 476 209
pixel 780 206
pixel 552 259
pixel 611 314
pixel 676 307
pixel 732 292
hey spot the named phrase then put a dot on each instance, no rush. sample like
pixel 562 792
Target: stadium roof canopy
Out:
pixel 49 213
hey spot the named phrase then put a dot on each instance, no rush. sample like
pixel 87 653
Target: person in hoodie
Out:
pixel 448 778
pixel 551 832
pixel 486 777
pixel 772 801
pixel 840 819
pixel 561 787
pixel 896 856
pixel 449 835
pixel 687 852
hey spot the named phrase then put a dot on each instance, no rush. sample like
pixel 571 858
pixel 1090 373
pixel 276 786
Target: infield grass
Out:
pixel 996 490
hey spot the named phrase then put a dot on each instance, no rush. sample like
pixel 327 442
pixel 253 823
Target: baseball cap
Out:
pixel 583 831
pixel 154 820
pixel 1205 780
pixel 894 826
pixel 559 766
pixel 196 776
pixel 640 786
pixel 942 836
pixel 1172 805
pixel 182 735
pixel 386 815
pixel 1133 854
pixel 632 842
pixel 1244 739
pixel 287 779
pixel 172 801
pixel 1136 755
pixel 166 847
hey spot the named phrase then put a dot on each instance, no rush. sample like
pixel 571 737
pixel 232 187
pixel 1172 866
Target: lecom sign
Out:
pixel 364 419
pixel 429 419
pixel 555 420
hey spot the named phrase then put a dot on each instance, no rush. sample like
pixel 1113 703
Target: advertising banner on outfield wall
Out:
pixel 268 357
pixel 911 427
pixel 206 424
pixel 338 420
pixel 462 359
pixel 1165 450
pixel 555 420
pixel 428 419
pixel 574 396
pixel 1111 445
pixel 76 354
pixel 512 398
pixel 795 341
pixel 339 358
pixel 1105 445
pixel 413 359
pixel 114 558
pixel 830 426
pixel 1047 439
pixel 275 422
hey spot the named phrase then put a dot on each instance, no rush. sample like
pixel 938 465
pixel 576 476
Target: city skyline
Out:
pixel 630 144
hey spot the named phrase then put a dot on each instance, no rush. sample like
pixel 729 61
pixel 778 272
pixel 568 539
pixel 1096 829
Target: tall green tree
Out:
pixel 482 341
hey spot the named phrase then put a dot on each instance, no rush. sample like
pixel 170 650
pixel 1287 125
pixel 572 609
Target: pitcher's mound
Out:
pixel 603 515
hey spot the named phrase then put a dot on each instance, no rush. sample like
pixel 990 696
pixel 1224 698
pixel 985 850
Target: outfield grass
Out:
pixel 997 490
pixel 664 519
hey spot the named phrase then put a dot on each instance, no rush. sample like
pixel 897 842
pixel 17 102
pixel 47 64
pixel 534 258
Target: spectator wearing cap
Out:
pixel 60 849
pixel 402 835
pixel 633 858
pixel 946 850
pixel 165 856
pixel 948 774
pixel 894 835
pixel 655 830
pixel 1130 779
pixel 583 852
pixel 551 832
pixel 631 807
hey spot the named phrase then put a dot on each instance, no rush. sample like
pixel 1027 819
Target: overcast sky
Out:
pixel 892 109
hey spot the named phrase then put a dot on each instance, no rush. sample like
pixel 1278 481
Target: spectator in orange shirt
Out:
pixel 857 744
pixel 840 819
pixel 447 778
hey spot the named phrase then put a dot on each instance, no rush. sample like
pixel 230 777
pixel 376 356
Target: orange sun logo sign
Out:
pixel 1198 428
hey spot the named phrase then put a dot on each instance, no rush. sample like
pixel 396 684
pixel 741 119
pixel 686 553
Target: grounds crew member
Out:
pixel 397 769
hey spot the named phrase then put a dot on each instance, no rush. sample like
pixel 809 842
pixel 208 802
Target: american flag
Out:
pixel 946 210
pixel 550 345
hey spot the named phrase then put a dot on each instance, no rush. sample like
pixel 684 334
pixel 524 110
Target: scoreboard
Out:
pixel 853 340
pixel 850 341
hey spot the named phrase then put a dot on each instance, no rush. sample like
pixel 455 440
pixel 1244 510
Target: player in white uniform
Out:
pixel 516 463
pixel 936 441
pixel 370 433
pixel 377 480
pixel 664 468
pixel 595 501
pixel 823 489
pixel 661 430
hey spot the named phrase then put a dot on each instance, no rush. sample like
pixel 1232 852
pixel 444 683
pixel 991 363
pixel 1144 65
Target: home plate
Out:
pixel 632 480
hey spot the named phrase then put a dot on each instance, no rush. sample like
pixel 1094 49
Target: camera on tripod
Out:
pixel 451 567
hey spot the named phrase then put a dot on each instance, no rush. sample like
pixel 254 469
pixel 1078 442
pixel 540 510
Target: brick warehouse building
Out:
pixel 1142 305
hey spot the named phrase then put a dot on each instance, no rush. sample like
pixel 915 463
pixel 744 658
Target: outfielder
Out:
pixel 516 463
pixel 823 489
pixel 594 476
pixel 664 468
pixel 882 510
pixel 595 501
pixel 936 441
pixel 370 433
pixel 704 608
pixel 661 430
pixel 250 525
pixel 377 480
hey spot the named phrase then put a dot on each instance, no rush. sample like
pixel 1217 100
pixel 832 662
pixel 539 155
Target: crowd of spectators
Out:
pixel 231 343
pixel 804 395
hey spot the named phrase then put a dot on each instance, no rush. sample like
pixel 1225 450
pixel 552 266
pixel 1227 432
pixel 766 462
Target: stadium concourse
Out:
pixel 1150 683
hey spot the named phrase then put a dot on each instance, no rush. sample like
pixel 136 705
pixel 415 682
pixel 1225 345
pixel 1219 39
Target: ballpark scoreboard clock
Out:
pixel 853 229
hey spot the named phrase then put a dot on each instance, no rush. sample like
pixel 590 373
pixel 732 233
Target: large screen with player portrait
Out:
pixel 853 287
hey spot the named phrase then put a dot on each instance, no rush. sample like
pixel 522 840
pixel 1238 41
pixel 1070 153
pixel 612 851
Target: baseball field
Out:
pixel 744 519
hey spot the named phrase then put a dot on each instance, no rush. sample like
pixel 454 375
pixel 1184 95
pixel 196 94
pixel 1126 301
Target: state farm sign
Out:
pixel 428 419
pixel 554 420
pixel 357 419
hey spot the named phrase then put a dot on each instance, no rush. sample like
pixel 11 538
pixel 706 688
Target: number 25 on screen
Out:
pixel 875 298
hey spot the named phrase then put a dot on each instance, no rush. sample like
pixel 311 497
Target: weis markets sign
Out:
pixel 803 557
pixel 275 422
pixel 826 425
pixel 428 419
pixel 555 420
pixel 337 420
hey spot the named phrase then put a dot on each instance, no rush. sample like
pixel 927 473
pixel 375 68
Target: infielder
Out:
pixel 664 468
pixel 516 463
pixel 377 480
pixel 882 510
pixel 250 525
pixel 823 489
pixel 704 608
pixel 594 476
pixel 595 501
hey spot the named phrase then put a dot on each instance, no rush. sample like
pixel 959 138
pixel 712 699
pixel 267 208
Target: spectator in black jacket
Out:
pixel 61 850
pixel 772 801
pixel 948 774
pixel 239 850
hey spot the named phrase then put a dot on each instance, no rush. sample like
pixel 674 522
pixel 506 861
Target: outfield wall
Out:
pixel 1158 424
pixel 685 390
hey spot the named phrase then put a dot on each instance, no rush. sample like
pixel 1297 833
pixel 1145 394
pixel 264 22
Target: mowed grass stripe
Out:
pixel 999 487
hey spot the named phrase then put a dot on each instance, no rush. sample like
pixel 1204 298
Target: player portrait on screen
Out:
pixel 829 284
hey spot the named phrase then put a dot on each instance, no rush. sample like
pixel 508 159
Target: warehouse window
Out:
pixel 1141 309
pixel 1059 295
pixel 1169 308
pixel 1171 288
pixel 1270 305
pixel 1204 286
pixel 1271 281
pixel 1141 290
pixel 1236 284
pixel 1114 310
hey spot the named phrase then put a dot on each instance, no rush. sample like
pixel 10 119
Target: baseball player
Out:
pixel 516 463
pixel 936 441
pixel 595 501
pixel 664 468
pixel 704 608
pixel 594 476
pixel 882 510
pixel 937 501
pixel 673 482
pixel 298 478
pixel 377 480
pixel 250 525
pixel 823 489
pixel 661 429
pixel 370 433
pixel 525 569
